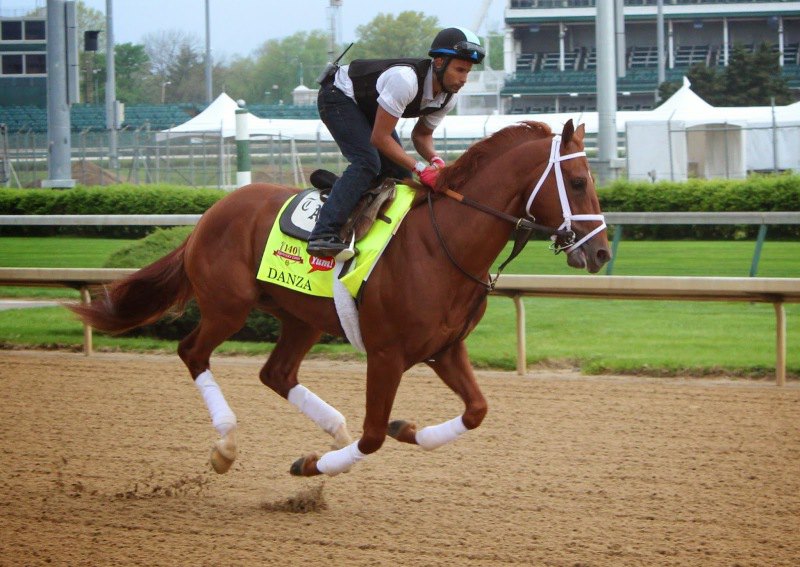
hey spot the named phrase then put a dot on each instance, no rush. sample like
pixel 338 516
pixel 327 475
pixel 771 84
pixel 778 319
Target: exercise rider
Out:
pixel 360 103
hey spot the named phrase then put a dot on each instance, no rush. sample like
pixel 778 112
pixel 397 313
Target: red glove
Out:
pixel 429 175
pixel 437 162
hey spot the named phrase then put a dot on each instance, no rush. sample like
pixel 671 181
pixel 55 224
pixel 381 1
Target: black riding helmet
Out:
pixel 458 43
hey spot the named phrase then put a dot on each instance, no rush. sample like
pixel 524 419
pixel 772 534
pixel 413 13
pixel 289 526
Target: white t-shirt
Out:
pixel 397 87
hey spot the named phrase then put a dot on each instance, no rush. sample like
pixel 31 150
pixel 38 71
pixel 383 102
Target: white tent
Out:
pixel 773 135
pixel 685 136
pixel 679 149
pixel 219 119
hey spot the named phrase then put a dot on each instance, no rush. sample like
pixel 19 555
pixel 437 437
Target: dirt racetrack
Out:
pixel 104 462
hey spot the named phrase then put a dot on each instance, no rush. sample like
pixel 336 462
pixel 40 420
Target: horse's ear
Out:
pixel 566 133
pixel 580 132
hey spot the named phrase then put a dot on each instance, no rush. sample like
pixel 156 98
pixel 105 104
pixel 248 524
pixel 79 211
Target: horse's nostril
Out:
pixel 603 256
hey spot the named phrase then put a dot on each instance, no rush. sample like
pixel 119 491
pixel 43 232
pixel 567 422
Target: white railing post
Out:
pixel 522 357
pixel 780 344
pixel 86 299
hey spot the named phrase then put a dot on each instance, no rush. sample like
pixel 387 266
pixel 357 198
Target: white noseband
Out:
pixel 566 211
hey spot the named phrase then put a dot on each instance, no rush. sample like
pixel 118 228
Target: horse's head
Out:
pixel 564 196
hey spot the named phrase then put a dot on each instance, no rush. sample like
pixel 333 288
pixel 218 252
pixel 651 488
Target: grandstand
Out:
pixel 550 61
pixel 551 56
pixel 92 117
pixel 287 111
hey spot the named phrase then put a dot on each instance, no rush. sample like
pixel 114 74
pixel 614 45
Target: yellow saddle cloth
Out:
pixel 286 262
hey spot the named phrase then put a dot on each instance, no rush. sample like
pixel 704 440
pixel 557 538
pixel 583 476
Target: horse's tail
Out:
pixel 141 298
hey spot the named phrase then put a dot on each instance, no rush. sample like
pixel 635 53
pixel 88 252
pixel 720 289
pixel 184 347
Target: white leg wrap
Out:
pixel 435 436
pixel 335 462
pixel 312 406
pixel 222 417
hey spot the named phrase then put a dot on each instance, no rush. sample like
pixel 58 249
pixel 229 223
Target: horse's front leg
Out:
pixel 454 368
pixel 281 371
pixel 383 378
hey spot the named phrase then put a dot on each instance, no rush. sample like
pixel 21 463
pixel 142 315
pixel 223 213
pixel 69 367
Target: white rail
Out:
pixel 788 217
pixel 766 290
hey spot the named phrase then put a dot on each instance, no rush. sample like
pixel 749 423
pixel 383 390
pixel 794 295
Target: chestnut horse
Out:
pixel 424 296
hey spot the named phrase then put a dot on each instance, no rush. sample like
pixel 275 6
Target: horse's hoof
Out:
pixel 341 438
pixel 402 430
pixel 223 453
pixel 305 466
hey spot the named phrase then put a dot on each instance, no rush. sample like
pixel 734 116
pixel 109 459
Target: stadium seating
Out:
pixel 791 53
pixel 24 118
pixel 550 61
pixel 590 62
pixel 88 117
pixel 92 117
pixel 526 62
pixel 287 111
pixel 157 116
pixel 688 55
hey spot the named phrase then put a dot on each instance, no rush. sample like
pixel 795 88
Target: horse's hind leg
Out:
pixel 219 320
pixel 280 374
pixel 383 378
pixel 455 370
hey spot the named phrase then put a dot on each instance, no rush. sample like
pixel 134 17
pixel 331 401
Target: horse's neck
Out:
pixel 476 238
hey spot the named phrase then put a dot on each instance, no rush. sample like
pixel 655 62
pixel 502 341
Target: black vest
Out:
pixel 365 72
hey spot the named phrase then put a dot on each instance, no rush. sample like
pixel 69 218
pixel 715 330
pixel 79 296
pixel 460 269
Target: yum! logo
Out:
pixel 321 264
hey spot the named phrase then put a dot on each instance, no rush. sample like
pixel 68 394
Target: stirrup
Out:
pixel 348 252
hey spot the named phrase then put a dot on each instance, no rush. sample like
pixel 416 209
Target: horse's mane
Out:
pixel 480 153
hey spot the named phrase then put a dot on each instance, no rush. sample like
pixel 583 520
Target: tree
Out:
pixel 163 48
pixel 285 63
pixel 750 79
pixel 187 77
pixel 239 80
pixel 495 44
pixel 175 62
pixel 408 35
pixel 132 72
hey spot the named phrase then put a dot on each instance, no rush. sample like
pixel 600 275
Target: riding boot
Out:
pixel 325 240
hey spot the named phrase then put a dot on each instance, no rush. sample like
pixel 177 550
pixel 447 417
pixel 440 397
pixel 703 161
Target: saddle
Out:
pixel 300 215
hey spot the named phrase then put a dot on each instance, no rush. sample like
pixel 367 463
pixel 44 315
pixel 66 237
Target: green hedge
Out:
pixel 116 199
pixel 756 193
pixel 259 326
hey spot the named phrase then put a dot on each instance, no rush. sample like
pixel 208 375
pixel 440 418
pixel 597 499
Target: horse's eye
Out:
pixel 578 183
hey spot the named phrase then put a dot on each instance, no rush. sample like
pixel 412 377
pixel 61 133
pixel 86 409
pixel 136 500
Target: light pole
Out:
pixel 208 63
pixel 163 90
pixel 96 84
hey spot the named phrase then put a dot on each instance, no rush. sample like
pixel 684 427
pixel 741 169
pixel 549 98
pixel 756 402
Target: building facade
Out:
pixel 23 62
pixel 550 50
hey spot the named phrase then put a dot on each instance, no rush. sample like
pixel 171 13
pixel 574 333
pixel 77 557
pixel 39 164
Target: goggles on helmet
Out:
pixel 465 50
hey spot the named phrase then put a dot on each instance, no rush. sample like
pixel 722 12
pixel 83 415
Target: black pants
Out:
pixel 351 130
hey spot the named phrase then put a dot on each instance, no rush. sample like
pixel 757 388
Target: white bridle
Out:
pixel 566 211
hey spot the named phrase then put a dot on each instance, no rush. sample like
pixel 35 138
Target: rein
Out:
pixel 522 233
pixel 563 237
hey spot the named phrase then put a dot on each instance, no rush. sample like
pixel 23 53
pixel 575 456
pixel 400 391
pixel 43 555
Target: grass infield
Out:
pixel 597 336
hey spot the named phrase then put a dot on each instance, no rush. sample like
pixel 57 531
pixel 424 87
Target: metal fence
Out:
pixel 679 151
pixel 198 161
pixel 210 161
